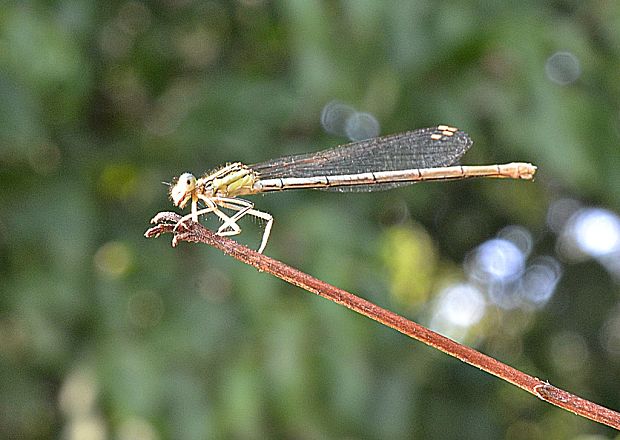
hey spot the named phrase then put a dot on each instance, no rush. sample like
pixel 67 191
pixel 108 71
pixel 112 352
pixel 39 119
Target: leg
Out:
pixel 246 208
pixel 241 206
pixel 269 219
pixel 211 207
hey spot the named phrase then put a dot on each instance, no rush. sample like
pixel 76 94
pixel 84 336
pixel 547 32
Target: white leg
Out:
pixel 246 208
pixel 211 207
pixel 234 227
pixel 191 216
pixel 241 206
pixel 229 226
pixel 194 210
pixel 267 217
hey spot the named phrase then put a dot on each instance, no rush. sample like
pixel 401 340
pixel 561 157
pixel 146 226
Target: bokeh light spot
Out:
pixel 334 117
pixel 410 256
pixel 113 259
pixel 78 393
pixel 563 68
pixel 540 280
pixel 458 307
pixel 461 304
pixel 86 428
pixel 361 126
pixel 137 428
pixel 343 120
pixel 596 231
pixel 497 260
pixel 519 236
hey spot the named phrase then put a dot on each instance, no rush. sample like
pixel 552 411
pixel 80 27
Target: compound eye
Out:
pixel 188 180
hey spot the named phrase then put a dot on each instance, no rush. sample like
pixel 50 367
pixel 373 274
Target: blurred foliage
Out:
pixel 104 334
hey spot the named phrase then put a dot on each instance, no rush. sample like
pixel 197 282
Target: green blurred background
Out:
pixel 105 334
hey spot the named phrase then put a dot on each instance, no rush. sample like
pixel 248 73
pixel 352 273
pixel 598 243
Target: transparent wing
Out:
pixel 422 148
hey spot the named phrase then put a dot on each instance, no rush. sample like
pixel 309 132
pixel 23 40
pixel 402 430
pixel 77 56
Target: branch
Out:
pixel 196 233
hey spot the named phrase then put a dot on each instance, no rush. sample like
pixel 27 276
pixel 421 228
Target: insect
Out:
pixel 369 165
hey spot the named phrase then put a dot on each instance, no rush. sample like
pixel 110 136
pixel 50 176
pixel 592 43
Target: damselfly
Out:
pixel 373 164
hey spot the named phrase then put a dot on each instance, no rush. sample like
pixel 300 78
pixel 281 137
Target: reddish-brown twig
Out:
pixel 194 232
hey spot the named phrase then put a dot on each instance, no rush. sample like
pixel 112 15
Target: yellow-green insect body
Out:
pixel 238 180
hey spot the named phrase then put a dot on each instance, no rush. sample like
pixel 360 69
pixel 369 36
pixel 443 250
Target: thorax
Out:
pixel 229 181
